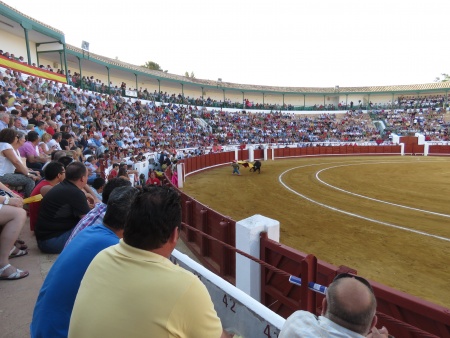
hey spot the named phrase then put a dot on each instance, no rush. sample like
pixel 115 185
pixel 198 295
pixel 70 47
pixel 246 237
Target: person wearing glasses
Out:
pixel 54 173
pixel 348 310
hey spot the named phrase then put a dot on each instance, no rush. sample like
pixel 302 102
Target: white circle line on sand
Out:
pixel 280 179
pixel 370 198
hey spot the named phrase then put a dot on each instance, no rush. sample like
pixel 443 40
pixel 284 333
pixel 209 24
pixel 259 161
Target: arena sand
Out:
pixel 409 192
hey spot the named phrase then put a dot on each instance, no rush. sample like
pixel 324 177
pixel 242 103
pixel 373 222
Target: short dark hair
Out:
pixel 8 135
pixel 32 136
pixel 52 170
pixel 65 160
pixel 118 206
pixel 56 135
pixel 75 171
pixel 154 215
pixel 98 183
pixel 111 185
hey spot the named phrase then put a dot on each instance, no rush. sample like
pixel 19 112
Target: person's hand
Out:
pixel 16 202
pixel 34 177
pixel 381 333
pixel 90 200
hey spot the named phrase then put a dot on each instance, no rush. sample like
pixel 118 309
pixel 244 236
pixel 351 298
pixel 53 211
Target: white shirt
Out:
pixel 303 324
pixel 6 166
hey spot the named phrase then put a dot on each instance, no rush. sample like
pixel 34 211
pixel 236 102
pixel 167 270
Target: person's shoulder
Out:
pixel 4 146
pixel 301 324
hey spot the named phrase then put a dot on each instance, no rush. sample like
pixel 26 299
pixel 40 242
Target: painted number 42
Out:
pixel 232 303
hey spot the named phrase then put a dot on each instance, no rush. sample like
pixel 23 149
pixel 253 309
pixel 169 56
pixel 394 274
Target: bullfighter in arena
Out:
pixel 235 166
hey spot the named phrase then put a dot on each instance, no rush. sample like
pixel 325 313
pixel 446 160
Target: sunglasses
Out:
pixel 358 278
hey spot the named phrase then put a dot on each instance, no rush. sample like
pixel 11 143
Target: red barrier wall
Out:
pixel 396 310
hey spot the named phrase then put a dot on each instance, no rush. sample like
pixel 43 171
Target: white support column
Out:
pixel 251 153
pixel 265 153
pixel 273 154
pixel 402 147
pixel 236 154
pixel 248 272
pixel 426 149
pixel 180 173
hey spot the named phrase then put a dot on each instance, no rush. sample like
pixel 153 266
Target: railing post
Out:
pixel 188 220
pixel 204 250
pixel 224 236
pixel 309 273
pixel 248 273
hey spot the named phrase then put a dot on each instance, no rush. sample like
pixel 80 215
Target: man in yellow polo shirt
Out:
pixel 132 289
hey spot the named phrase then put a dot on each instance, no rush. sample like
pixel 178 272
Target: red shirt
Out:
pixel 112 174
pixel 50 130
pixel 34 207
pixel 153 181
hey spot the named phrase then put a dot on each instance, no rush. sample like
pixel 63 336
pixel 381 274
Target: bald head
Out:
pixel 351 304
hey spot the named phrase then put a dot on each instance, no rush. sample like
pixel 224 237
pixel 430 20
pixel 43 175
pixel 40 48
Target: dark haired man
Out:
pixel 55 301
pixel 149 295
pixel 95 216
pixel 348 310
pixel 28 150
pixel 54 173
pixel 53 144
pixel 61 209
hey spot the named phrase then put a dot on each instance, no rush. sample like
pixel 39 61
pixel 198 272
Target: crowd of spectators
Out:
pixel 431 122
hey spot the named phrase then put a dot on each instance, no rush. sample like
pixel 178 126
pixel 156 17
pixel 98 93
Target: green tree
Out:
pixel 153 66
pixel 445 78
pixel 192 76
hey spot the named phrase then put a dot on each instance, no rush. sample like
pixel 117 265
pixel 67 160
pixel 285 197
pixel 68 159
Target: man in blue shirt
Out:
pixel 54 305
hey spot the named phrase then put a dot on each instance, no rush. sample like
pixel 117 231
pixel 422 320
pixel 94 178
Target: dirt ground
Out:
pixel 386 217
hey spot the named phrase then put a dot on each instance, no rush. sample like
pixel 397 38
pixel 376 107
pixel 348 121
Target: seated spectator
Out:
pixel 53 144
pixel 54 305
pixel 348 310
pixel 123 173
pixel 97 187
pixel 28 150
pixel 139 268
pixel 54 173
pixel 4 120
pixel 96 215
pixel 152 179
pixel 12 219
pixel 61 209
pixel 44 149
pixel 114 171
pixel 141 182
pixel 92 168
pixel 12 171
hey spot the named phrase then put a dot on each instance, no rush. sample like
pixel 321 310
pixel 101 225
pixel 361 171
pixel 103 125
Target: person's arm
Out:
pixel 5 188
pixel 45 190
pixel 88 190
pixel 35 159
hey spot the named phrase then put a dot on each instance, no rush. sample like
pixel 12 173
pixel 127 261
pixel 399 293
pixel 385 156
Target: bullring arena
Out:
pixel 386 217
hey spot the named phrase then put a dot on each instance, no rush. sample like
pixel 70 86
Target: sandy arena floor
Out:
pixel 386 217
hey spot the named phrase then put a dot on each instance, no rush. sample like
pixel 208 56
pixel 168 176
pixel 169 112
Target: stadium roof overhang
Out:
pixel 51 41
